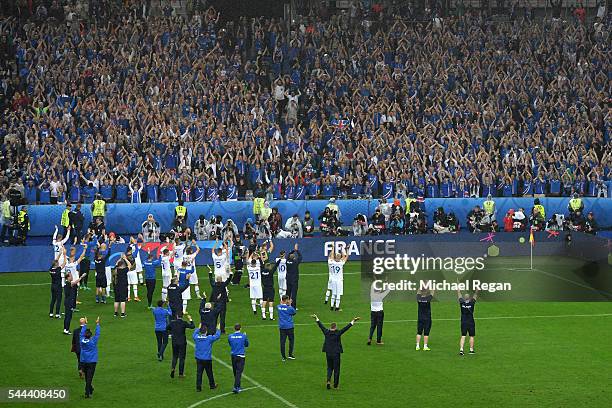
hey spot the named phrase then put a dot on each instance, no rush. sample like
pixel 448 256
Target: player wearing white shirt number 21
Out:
pixel 254 272
pixel 335 284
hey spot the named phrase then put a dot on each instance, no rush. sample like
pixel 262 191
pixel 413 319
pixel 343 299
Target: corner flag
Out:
pixel 531 242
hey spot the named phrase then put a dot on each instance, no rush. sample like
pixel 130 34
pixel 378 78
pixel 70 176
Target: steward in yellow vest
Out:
pixel 65 221
pixel 98 207
pixel 180 211
pixel 489 206
pixel 575 204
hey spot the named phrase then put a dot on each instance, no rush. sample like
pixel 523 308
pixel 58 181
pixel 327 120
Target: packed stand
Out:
pixel 140 108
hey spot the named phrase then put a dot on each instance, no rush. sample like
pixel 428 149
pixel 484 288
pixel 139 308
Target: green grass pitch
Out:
pixel 539 354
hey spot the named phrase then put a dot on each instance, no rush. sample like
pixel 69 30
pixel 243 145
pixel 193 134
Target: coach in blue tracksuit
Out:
pixel 89 354
pixel 285 326
pixel 161 314
pixel 203 355
pixel 238 342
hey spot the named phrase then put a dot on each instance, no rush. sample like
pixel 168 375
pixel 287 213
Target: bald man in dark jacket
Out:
pixel 332 347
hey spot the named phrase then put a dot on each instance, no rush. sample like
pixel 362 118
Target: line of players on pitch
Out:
pixel 260 275
pixel 179 263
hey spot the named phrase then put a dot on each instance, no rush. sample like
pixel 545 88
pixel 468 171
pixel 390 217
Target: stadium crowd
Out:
pixel 166 108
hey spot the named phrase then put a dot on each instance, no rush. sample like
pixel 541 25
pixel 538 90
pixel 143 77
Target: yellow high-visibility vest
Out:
pixel 575 204
pixel 65 219
pixel 180 211
pixel 258 204
pixel 21 218
pixel 265 213
pixel 541 210
pixel 98 208
pixel 489 207
pixel 408 202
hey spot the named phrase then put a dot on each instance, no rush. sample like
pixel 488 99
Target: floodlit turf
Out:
pixel 528 354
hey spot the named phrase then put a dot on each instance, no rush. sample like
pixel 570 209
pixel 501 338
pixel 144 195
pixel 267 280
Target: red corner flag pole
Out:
pixel 531 243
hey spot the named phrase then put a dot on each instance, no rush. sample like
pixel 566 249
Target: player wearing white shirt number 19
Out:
pixel 335 285
pixel 254 271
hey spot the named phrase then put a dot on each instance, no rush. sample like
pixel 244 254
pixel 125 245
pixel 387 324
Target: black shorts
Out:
pixel 238 265
pixel 101 280
pixel 468 328
pixel 423 327
pixel 268 294
pixel 121 294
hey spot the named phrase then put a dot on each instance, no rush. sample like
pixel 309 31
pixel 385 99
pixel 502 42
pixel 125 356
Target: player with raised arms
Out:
pixel 184 275
pixel 423 298
pixel 468 326
pixel 189 259
pixel 179 252
pixel 166 272
pixel 281 263
pixel 267 278
pixel 220 258
pixel 335 284
pixel 58 241
pixel 135 270
pixel 254 272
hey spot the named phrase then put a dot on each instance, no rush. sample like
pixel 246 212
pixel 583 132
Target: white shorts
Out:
pixel 329 284
pixel 109 275
pixel 132 278
pixel 256 292
pixel 193 278
pixel 337 287
pixel 178 263
pixel 221 273
pixel 138 268
pixel 166 280
pixel 282 282
pixel 186 294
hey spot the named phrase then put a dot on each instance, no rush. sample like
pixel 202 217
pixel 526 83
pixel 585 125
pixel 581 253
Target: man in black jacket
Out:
pixel 176 329
pixel 175 295
pixel 209 315
pixel 77 220
pixel 219 297
pixel 293 274
pixel 332 347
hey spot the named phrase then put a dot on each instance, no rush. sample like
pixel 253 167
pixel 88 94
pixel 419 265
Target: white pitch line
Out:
pixel 252 381
pixel 457 319
pixel 570 281
pixel 218 396
pixel 25 284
